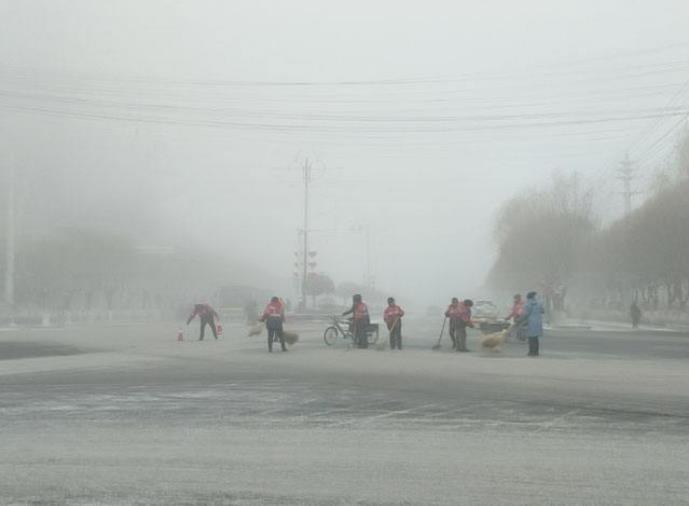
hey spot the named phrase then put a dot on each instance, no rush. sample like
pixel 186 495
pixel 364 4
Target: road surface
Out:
pixel 123 414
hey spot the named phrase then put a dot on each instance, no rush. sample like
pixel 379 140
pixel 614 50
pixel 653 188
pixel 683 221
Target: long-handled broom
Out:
pixel 382 345
pixel 437 345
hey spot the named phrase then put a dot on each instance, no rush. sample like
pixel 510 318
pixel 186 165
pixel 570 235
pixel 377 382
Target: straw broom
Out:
pixel 290 337
pixel 255 329
pixel 382 345
pixel 493 342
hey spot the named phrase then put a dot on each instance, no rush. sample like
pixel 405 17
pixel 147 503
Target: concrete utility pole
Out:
pixel 626 175
pixel 368 276
pixel 370 280
pixel 307 180
pixel 9 244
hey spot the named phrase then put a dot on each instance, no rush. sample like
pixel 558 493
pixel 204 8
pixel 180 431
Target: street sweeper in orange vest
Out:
pixel 207 315
pixel 274 316
pixel 517 330
pixel 393 319
pixel 360 320
pixel 459 314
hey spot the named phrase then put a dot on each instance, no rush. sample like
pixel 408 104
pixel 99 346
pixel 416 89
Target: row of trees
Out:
pixel 646 255
pixel 321 284
pixel 551 240
pixel 84 270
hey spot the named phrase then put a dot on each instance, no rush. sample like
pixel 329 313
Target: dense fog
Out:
pixel 182 130
pixel 331 253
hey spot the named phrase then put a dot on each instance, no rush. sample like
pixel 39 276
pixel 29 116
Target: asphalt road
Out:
pixel 126 415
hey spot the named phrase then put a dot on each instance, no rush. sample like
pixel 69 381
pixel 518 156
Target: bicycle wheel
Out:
pixel 330 335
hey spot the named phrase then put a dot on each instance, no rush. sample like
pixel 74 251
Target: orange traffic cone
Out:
pixel 180 335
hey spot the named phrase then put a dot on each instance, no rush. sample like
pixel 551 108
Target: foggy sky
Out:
pixel 187 122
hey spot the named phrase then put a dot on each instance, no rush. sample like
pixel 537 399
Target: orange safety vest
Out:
pixel 360 311
pixel 273 310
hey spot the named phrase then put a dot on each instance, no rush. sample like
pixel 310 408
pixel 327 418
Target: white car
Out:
pixel 484 310
pixel 486 314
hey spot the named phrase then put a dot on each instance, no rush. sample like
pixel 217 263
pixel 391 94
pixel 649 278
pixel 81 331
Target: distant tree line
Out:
pixel 319 284
pixel 550 240
pixel 85 270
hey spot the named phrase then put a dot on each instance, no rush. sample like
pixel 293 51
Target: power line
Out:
pixel 569 67
pixel 499 122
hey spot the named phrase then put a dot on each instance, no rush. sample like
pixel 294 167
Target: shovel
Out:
pixel 437 345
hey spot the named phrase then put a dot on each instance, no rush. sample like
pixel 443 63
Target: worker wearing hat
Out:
pixel 533 319
pixel 360 320
pixel 462 323
pixel 274 316
pixel 459 314
pixel 393 319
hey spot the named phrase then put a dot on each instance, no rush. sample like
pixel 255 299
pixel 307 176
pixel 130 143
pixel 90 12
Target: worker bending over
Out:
pixel 207 315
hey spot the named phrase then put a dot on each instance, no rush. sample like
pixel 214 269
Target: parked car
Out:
pixel 484 309
pixel 486 314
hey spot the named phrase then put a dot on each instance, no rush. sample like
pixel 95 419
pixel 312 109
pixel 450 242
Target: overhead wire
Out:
pixel 500 96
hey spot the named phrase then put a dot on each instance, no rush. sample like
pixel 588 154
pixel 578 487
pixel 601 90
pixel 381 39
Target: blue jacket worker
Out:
pixel 532 317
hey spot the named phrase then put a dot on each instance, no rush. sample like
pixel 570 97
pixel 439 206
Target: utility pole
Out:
pixel 307 180
pixel 626 174
pixel 368 276
pixel 9 244
pixel 370 280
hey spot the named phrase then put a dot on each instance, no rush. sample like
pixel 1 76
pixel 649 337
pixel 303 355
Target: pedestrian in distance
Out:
pixel 635 313
pixel 208 316
pixel 459 314
pixel 274 317
pixel 393 319
pixel 360 320
pixel 533 318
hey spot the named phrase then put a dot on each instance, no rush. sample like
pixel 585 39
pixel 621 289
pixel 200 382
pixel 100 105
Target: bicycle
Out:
pixel 340 329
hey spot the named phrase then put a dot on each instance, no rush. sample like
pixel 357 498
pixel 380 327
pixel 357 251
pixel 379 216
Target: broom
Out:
pixel 493 341
pixel 437 345
pixel 382 345
pixel 290 337
pixel 255 329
